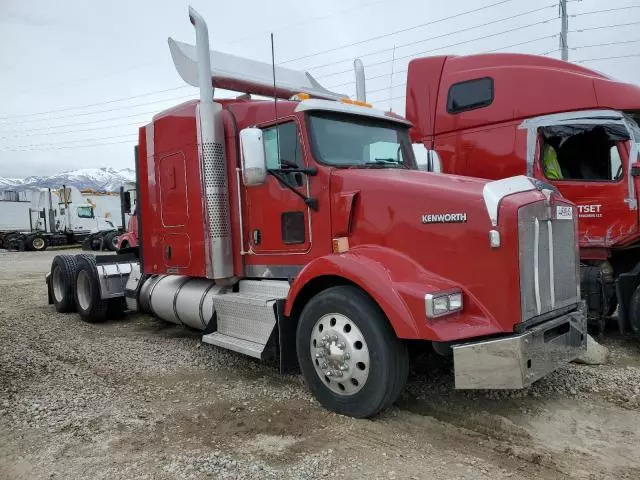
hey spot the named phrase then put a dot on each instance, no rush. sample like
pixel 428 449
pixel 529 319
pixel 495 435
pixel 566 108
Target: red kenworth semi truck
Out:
pixel 496 115
pixel 302 232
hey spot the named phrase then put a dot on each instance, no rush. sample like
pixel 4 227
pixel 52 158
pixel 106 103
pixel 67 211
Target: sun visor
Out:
pixel 244 75
pixel 615 132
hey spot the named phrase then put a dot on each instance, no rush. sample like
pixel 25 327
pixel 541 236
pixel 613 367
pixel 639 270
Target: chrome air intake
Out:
pixel 549 268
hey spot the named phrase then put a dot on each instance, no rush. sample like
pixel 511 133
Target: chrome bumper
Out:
pixel 519 360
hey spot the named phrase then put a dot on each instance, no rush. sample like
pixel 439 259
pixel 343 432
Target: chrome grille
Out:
pixel 549 277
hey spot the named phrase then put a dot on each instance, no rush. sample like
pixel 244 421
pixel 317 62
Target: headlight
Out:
pixel 439 304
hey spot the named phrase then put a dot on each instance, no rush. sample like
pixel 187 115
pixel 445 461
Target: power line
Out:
pixel 72 141
pixel 447 46
pixel 70 147
pixel 102 127
pixel 607 58
pixel 588 29
pixel 86 123
pixel 305 21
pixel 463 30
pixel 126 107
pixel 593 12
pixel 360 42
pixel 605 44
pixel 91 77
pixel 94 104
pixel 526 42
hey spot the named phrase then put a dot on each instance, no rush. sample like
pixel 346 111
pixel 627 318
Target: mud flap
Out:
pixel 49 289
pixel 286 341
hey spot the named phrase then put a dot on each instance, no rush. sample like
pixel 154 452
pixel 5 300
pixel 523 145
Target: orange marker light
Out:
pixel 340 245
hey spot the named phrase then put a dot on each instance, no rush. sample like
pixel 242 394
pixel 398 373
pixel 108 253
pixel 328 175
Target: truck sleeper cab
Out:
pixel 575 129
pixel 311 238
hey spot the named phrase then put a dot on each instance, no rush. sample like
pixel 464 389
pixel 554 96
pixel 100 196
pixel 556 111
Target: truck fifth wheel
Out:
pixel 303 232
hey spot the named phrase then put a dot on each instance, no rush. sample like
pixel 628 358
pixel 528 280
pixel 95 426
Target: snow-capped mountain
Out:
pixel 10 182
pixel 99 179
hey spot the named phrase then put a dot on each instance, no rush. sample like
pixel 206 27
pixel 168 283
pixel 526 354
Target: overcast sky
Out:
pixel 58 56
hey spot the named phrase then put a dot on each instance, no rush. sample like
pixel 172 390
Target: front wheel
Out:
pixel 349 354
pixel 37 243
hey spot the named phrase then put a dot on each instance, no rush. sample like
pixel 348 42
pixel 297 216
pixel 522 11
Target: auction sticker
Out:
pixel 564 212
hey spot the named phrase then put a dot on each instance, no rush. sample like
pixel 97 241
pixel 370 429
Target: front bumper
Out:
pixel 519 360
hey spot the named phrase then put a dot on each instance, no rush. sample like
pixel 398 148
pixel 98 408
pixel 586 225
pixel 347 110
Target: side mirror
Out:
pixel 254 165
pixel 427 160
pixel 126 202
pixel 635 169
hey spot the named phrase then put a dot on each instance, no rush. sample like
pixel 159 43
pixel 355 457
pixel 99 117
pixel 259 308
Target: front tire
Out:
pixel 37 243
pixel 349 354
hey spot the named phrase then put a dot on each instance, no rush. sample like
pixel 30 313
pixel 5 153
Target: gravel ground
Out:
pixel 140 398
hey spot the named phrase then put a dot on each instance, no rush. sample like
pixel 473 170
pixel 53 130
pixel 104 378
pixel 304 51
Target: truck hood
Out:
pixel 390 197
pixel 440 223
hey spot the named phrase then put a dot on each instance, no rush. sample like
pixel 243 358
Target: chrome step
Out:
pixel 246 347
pixel 246 317
pixel 272 289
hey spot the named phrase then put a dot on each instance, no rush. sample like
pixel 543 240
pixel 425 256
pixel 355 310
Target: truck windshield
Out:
pixel 346 141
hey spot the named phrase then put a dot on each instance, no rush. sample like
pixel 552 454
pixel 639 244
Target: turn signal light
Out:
pixel 298 97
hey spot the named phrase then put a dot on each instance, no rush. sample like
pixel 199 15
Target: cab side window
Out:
pixel 283 151
pixel 282 146
pixel 85 211
pixel 587 155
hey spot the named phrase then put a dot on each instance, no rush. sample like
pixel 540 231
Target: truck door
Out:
pixel 278 219
pixel 174 210
pixel 589 166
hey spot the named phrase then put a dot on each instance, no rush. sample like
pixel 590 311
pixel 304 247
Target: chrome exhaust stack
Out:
pixel 213 163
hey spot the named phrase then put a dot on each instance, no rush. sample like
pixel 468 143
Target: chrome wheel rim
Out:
pixel 58 290
pixel 114 241
pixel 38 243
pixel 83 290
pixel 340 354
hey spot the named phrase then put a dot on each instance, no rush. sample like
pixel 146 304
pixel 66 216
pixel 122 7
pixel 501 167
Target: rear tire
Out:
pixel 62 283
pixel 348 353
pixel 109 241
pixel 91 307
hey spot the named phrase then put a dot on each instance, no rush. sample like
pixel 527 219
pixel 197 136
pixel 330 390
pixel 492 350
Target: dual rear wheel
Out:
pixel 75 286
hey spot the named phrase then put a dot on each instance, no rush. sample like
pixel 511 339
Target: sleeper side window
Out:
pixel 470 95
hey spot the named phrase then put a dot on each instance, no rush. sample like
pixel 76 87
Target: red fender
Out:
pixel 392 279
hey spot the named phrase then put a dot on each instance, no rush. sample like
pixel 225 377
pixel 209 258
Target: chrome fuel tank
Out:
pixel 180 299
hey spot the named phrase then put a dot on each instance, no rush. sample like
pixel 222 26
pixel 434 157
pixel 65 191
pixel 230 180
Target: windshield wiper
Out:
pixel 385 162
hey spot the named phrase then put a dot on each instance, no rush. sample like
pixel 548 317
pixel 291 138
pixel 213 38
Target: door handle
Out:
pixel 168 252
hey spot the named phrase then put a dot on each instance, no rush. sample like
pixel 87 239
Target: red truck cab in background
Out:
pixel 497 115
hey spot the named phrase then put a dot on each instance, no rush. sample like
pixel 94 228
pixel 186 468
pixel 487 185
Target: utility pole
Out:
pixel 564 45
